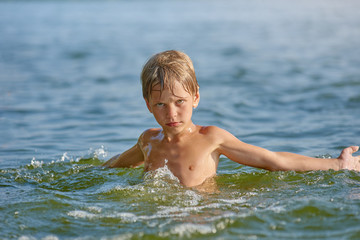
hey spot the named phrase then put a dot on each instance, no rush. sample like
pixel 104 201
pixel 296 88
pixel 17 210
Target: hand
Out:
pixel 347 160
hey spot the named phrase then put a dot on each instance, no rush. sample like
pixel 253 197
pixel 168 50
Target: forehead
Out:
pixel 176 90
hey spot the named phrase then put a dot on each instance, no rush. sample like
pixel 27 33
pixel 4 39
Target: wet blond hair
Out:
pixel 164 69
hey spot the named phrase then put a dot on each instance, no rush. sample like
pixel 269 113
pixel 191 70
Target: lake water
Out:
pixel 279 74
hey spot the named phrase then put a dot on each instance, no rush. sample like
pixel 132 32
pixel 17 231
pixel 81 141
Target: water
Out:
pixel 277 74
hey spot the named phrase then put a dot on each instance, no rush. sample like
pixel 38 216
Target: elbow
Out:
pixel 111 163
pixel 107 164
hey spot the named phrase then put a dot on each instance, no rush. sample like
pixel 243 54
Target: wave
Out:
pixel 74 193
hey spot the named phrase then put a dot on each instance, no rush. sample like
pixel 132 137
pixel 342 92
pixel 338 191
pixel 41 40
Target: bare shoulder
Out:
pixel 150 134
pixel 213 130
pixel 215 133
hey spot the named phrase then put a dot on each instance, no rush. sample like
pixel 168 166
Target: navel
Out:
pixel 191 167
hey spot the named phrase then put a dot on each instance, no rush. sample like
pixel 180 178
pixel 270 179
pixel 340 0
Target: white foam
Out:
pixel 233 201
pixel 162 173
pixel 50 237
pixel 64 157
pixel 125 236
pixel 186 229
pixel 277 209
pixel 26 238
pixel 170 211
pixel 126 217
pixel 35 163
pixel 100 152
pixel 95 209
pixel 194 198
pixel 81 214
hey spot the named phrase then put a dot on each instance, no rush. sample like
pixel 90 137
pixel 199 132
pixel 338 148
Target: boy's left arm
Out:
pixel 345 161
pixel 258 157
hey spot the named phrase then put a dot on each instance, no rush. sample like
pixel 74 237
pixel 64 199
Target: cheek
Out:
pixel 187 110
pixel 157 112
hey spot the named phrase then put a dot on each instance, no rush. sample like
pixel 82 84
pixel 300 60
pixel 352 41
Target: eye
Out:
pixel 180 101
pixel 159 104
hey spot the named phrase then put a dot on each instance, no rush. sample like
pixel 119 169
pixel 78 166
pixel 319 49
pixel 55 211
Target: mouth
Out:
pixel 173 124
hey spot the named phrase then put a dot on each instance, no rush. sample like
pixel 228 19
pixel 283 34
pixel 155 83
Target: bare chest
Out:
pixel 192 164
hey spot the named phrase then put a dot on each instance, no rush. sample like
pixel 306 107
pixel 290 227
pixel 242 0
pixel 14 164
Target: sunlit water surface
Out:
pixel 278 74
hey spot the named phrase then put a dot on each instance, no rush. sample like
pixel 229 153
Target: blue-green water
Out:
pixel 278 74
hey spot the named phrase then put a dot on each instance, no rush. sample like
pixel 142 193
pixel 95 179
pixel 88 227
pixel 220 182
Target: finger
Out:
pixel 354 148
pixel 350 150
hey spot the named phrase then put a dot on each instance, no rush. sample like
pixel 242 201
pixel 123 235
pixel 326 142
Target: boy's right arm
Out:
pixel 133 157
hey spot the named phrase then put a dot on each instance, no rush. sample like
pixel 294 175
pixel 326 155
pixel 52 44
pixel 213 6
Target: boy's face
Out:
pixel 172 109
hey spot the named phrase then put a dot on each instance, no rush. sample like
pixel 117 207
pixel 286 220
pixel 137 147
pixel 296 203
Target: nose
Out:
pixel 171 111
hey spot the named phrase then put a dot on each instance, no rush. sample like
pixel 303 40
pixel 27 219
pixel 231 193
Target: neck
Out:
pixel 179 136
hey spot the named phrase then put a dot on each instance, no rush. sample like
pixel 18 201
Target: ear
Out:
pixel 148 105
pixel 196 99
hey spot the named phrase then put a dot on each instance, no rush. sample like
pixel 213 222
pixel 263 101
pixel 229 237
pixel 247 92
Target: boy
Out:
pixel 190 151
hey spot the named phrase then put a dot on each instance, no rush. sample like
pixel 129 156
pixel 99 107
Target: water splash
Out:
pixel 327 155
pixel 64 157
pixel 35 163
pixel 75 191
pixel 99 153
pixel 161 176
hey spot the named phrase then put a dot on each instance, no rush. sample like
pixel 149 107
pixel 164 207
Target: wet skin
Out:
pixel 192 152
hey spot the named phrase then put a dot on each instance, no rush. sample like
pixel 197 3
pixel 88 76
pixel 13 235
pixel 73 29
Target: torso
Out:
pixel 192 158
